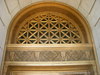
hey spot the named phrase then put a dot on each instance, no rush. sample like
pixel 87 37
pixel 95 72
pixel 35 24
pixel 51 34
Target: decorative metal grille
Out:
pixel 48 28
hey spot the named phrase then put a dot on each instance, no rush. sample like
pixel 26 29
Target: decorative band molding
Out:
pixel 36 56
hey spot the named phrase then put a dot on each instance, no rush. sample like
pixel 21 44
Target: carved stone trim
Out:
pixel 67 55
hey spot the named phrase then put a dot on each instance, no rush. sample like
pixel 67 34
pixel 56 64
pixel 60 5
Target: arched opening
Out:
pixel 49 36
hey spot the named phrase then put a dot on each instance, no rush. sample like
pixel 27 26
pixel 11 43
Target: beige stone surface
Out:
pixel 24 3
pixel 73 3
pixel 2 34
pixel 87 4
pixel 4 13
pixel 94 14
pixel 2 39
pixel 83 11
pixel 1 51
pixel 35 1
pixel 12 4
pixel 15 11
pixel 97 37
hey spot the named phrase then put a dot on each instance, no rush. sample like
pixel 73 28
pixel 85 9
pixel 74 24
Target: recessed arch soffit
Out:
pixel 58 12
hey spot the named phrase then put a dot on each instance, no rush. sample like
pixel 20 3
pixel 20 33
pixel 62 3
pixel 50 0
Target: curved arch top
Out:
pixel 56 23
pixel 64 9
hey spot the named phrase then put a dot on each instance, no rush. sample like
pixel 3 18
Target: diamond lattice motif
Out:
pixel 49 28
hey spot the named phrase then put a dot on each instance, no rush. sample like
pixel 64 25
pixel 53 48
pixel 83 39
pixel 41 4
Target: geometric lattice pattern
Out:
pixel 48 28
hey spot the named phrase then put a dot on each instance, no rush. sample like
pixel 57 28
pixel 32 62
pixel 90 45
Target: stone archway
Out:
pixel 64 39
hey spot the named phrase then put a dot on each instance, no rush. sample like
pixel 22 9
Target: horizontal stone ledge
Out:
pixel 63 63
